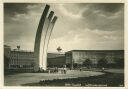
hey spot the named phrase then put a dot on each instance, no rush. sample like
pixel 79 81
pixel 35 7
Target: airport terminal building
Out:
pixel 79 56
pixel 56 59
pixel 22 60
pixel 19 60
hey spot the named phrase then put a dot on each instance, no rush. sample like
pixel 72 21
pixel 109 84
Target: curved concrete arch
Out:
pixel 38 37
pixel 44 40
pixel 43 34
pixel 48 35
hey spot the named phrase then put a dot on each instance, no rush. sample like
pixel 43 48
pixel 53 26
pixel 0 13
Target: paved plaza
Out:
pixel 23 78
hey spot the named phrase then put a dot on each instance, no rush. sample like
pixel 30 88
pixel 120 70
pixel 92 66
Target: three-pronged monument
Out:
pixel 43 34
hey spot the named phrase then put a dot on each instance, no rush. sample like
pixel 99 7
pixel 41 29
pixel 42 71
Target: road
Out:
pixel 23 78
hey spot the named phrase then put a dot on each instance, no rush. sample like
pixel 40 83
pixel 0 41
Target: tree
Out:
pixel 119 62
pixel 75 65
pixel 102 62
pixel 87 62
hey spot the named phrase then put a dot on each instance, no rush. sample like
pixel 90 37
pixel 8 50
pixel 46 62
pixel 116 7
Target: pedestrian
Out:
pixel 102 69
pixel 80 69
pixel 65 70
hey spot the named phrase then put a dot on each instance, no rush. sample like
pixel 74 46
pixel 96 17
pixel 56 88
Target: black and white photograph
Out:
pixel 64 44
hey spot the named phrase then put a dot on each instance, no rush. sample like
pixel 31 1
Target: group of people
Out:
pixel 53 70
pixel 62 70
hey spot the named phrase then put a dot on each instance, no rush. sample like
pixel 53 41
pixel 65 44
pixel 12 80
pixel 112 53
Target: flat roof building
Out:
pixel 79 56
pixel 56 59
pixel 24 60
pixel 18 60
pixel 21 60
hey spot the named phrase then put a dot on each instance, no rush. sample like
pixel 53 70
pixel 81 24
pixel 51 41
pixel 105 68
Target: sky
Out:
pixel 80 26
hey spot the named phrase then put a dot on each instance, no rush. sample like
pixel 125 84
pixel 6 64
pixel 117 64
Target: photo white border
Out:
pixel 62 1
pixel 1 44
pixel 65 1
pixel 126 43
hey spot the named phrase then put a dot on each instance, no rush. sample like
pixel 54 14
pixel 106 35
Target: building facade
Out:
pixel 56 59
pixel 18 60
pixel 7 51
pixel 24 61
pixel 21 60
pixel 79 56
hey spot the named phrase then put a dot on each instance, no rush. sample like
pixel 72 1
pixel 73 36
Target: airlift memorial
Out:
pixel 43 34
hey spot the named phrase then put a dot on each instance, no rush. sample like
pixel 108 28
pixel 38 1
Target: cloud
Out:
pixel 75 14
pixel 108 16
pixel 79 26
